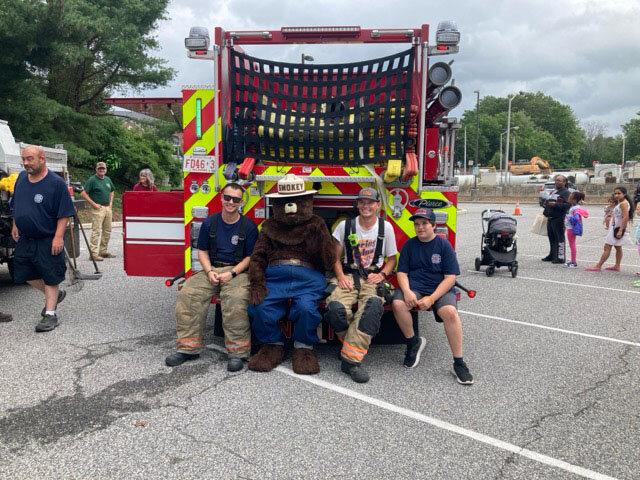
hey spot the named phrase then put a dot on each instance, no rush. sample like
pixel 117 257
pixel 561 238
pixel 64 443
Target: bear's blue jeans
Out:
pixel 305 287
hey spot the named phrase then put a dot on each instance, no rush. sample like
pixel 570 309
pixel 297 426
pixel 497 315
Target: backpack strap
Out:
pixel 238 255
pixel 379 243
pixel 213 247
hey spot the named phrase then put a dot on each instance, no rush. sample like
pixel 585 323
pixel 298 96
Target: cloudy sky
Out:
pixel 584 53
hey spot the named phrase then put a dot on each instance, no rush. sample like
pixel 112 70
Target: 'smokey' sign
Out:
pixel 199 163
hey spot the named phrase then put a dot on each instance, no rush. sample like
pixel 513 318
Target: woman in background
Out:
pixel 146 183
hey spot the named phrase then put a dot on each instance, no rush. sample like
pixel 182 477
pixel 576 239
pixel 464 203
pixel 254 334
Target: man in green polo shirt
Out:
pixel 98 191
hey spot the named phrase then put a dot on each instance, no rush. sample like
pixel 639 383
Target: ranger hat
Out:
pixel 370 194
pixel 424 213
pixel 290 186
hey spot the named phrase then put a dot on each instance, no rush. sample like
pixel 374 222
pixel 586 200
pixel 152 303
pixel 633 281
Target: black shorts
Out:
pixel 448 298
pixel 33 260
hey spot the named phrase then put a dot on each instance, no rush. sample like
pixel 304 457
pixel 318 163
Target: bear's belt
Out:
pixel 291 261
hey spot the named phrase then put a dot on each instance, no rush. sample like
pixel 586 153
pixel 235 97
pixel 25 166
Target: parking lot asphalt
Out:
pixel 555 353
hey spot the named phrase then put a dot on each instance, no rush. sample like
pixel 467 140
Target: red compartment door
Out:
pixel 153 226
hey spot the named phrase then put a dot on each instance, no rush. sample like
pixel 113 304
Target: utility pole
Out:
pixel 477 92
pixel 465 150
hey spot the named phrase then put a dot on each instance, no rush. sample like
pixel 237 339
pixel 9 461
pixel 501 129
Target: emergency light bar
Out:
pixel 351 30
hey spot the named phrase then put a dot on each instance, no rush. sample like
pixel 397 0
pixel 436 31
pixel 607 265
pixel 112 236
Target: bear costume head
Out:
pixel 292 205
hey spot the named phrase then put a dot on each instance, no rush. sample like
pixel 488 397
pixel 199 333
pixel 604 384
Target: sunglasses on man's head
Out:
pixel 102 168
pixel 229 198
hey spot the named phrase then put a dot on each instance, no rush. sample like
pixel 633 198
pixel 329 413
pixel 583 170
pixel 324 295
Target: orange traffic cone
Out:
pixel 517 211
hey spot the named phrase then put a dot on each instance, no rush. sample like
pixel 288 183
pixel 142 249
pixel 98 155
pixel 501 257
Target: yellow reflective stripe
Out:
pixel 189 107
pixel 198 199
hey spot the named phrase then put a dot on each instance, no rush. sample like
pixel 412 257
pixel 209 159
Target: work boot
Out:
pixel 47 323
pixel 179 358
pixel 107 255
pixel 61 294
pixel 97 258
pixel 235 364
pixel 5 317
pixel 355 371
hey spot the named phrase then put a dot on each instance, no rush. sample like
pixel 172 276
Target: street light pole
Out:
pixel 477 92
pixel 624 137
pixel 506 151
pixel 304 57
pixel 465 150
pixel 503 180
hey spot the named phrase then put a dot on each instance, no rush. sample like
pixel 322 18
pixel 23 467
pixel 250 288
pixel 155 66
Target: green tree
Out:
pixel 59 59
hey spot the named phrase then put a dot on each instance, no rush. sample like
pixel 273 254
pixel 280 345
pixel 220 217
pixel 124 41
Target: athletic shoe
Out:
pixel 355 371
pixel 235 364
pixel 61 294
pixel 47 323
pixel 179 358
pixel 572 265
pixel 412 355
pixel 462 374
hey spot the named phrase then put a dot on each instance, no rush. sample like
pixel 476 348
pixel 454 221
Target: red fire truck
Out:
pixel 379 123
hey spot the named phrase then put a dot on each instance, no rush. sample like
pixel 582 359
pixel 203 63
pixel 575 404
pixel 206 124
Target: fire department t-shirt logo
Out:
pixel 436 258
pixel 234 240
pixel 38 198
pixel 367 248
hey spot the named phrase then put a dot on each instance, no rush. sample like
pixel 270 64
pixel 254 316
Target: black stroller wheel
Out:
pixel 478 263
pixel 514 271
pixel 490 271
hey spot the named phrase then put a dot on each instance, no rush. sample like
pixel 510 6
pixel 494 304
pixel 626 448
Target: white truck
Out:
pixel 10 167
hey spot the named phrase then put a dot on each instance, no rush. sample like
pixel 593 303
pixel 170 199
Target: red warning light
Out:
pixel 168 283
pixel 442 47
pixel 471 293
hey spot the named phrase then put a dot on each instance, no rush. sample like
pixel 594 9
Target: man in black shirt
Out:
pixel 41 209
pixel 555 208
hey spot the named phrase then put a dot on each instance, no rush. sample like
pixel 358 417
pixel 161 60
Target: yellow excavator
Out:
pixel 530 167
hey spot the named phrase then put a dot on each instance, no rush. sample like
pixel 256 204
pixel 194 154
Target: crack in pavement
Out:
pixel 537 422
pixel 57 417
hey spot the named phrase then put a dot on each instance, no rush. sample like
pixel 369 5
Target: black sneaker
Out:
pixel 462 374
pixel 179 358
pixel 557 261
pixel 47 323
pixel 61 295
pixel 235 364
pixel 412 355
pixel 547 259
pixel 355 371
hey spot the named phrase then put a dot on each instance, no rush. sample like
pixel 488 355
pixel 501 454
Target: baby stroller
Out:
pixel 499 247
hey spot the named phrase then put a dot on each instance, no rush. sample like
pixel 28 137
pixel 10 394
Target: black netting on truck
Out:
pixel 355 113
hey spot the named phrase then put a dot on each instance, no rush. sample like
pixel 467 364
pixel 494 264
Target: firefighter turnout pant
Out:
pixel 355 330
pixel 191 313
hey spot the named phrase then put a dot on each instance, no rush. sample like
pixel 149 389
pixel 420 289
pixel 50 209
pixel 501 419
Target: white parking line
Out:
pixel 479 437
pixel 635 292
pixel 582 261
pixel 545 327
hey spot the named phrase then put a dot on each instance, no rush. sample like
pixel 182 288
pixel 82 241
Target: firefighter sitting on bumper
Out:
pixel 368 242
pixel 224 246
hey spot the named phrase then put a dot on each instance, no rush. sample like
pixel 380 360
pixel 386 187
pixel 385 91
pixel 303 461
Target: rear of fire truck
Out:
pixel 379 123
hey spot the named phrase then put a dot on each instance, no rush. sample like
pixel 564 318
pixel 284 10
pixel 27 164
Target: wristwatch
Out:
pixel 234 274
pixel 383 274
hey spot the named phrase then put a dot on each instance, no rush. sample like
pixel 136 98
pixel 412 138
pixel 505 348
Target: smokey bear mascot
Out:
pixel 293 250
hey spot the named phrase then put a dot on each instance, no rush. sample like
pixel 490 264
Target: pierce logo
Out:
pixel 429 203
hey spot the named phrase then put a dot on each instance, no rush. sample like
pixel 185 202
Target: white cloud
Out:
pixel 585 53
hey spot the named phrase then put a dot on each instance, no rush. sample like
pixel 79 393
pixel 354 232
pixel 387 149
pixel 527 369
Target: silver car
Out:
pixel 550 187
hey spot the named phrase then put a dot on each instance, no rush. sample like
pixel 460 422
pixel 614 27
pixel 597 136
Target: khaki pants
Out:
pixel 191 313
pixel 357 335
pixel 100 224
